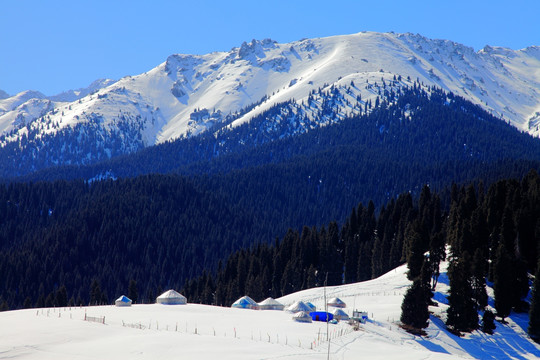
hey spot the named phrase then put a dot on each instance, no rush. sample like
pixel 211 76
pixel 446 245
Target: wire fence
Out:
pixel 304 342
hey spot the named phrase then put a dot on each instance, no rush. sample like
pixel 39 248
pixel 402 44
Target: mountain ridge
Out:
pixel 190 94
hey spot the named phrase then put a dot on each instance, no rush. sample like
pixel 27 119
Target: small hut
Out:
pixel 123 301
pixel 340 315
pixel 299 306
pixel 271 304
pixel 302 316
pixel 336 302
pixel 171 297
pixel 245 302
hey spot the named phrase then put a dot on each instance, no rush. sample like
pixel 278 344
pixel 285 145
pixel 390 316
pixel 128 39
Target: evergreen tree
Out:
pixel 133 293
pixel 502 281
pixel 95 293
pixel 534 311
pixel 462 315
pixel 415 254
pixel 61 297
pixel 414 308
pixel 488 322
pixel 479 280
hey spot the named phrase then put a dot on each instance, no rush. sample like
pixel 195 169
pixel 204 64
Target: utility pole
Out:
pixel 327 317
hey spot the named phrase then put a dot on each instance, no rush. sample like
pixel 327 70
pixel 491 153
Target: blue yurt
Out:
pixel 123 301
pixel 245 302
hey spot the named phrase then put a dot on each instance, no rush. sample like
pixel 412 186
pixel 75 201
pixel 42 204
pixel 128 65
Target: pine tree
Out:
pixel 415 254
pixel 488 322
pixel 415 305
pixel 479 280
pixel 61 297
pixel 534 311
pixel 502 281
pixel 95 293
pixel 462 315
pixel 133 293
pixel 414 309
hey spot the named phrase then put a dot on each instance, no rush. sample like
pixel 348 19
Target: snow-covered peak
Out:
pixel 189 94
pixel 12 102
pixel 73 95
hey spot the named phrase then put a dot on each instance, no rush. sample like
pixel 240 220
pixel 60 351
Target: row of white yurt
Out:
pixel 169 297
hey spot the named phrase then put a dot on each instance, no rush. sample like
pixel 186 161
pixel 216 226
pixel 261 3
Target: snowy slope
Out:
pixel 188 94
pixel 208 332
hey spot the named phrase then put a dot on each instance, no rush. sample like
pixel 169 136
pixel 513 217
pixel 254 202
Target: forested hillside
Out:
pixel 154 230
pixel 159 230
pixel 493 236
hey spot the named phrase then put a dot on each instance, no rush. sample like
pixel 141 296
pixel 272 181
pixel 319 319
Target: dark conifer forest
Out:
pixel 219 216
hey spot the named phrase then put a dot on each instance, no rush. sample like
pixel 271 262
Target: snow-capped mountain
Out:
pixel 20 110
pixel 74 95
pixel 189 94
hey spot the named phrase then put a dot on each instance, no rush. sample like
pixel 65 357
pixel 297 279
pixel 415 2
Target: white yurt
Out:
pixel 302 316
pixel 171 297
pixel 340 315
pixel 123 301
pixel 245 302
pixel 299 306
pixel 271 304
pixel 336 302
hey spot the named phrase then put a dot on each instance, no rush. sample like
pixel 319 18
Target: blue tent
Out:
pixel 321 316
pixel 123 301
pixel 245 302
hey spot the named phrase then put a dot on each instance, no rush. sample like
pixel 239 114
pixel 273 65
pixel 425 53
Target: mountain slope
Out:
pixel 189 94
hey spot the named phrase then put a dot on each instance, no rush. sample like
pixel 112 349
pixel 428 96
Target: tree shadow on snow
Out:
pixel 504 344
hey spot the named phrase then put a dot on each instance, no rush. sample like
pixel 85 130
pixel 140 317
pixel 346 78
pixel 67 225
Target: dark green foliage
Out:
pixel 503 281
pixel 415 305
pixel 462 315
pixel 415 250
pixel 95 238
pixel 534 311
pixel 414 309
pixel 61 297
pixel 478 276
pixel 133 292
pixel 488 322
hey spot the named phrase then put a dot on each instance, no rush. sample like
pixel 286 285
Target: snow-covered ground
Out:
pixel 206 332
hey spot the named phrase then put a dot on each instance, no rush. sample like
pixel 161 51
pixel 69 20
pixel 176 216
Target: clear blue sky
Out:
pixel 52 46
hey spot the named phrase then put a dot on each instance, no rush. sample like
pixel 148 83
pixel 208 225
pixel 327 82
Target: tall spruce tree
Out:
pixel 534 311
pixel 462 315
pixel 415 305
pixel 502 281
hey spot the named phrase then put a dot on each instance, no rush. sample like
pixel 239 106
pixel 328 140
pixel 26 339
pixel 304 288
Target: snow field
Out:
pixel 204 332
